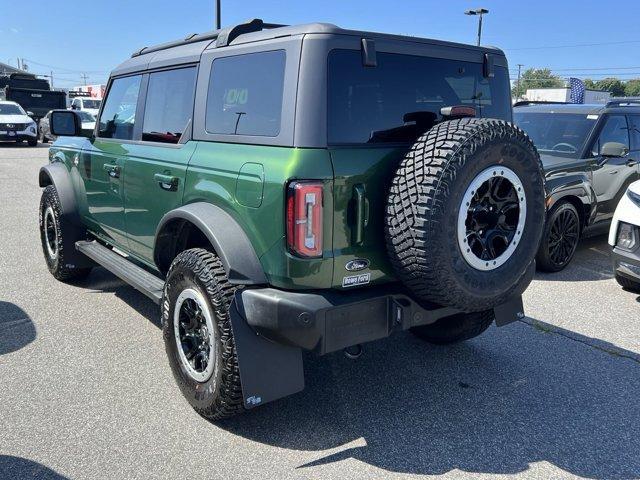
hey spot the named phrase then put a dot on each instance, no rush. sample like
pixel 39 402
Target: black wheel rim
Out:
pixel 194 335
pixel 563 237
pixel 492 218
pixel 50 233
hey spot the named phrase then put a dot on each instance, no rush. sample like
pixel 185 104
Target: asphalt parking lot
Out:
pixel 86 392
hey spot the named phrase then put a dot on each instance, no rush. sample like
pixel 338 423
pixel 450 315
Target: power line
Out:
pixel 572 46
pixel 68 70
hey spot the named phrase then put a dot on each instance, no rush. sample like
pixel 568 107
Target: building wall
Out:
pixel 564 95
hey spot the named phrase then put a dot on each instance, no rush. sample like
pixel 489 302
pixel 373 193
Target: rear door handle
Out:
pixel 112 169
pixel 632 162
pixel 166 182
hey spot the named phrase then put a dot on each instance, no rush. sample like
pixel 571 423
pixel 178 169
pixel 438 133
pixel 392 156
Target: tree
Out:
pixel 612 85
pixel 589 84
pixel 536 78
pixel 632 88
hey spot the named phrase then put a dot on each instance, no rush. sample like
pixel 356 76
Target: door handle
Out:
pixel 632 162
pixel 166 182
pixel 112 169
pixel 361 213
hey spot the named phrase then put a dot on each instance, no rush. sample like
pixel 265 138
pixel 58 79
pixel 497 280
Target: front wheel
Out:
pixel 33 142
pixel 559 239
pixel 198 336
pixel 52 235
pixel 456 328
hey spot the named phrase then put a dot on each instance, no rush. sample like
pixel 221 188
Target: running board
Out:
pixel 124 269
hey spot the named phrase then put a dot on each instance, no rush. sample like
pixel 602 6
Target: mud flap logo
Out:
pixel 354 280
pixel 254 400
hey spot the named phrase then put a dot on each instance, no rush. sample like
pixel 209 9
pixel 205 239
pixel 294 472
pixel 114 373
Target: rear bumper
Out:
pixel 328 321
pixel 626 264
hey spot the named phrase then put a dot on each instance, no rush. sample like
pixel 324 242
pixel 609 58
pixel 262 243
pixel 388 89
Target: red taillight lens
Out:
pixel 304 218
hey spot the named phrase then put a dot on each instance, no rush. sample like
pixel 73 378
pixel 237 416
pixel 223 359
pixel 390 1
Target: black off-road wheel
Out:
pixel 33 143
pixel 465 214
pixel 456 328
pixel 560 238
pixel 198 336
pixel 52 235
pixel 628 284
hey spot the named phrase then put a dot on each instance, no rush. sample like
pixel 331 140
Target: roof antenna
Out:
pixel 218 22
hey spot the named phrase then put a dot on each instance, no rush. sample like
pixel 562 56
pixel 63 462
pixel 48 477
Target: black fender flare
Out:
pixel 577 186
pixel 56 174
pixel 226 236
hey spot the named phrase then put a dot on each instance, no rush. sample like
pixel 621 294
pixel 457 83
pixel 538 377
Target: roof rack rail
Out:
pixel 623 102
pixel 223 36
pixel 520 103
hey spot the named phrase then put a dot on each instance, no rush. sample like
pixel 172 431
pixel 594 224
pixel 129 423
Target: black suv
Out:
pixel 590 154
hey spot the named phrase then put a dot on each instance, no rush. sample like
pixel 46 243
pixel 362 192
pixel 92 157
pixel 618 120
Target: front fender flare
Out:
pixel 227 237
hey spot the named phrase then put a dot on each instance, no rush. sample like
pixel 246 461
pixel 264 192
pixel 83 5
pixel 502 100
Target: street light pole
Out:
pixel 480 12
pixel 218 21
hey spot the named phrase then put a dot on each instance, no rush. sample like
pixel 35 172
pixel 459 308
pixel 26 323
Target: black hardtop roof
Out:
pixel 255 31
pixel 577 108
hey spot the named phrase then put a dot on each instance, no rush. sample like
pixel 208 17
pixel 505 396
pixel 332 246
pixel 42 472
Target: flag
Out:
pixel 577 90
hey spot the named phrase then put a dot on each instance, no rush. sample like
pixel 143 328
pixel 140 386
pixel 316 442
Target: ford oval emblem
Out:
pixel 357 265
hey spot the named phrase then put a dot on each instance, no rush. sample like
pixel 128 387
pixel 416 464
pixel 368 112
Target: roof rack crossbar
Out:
pixel 623 101
pixel 223 37
pixel 520 103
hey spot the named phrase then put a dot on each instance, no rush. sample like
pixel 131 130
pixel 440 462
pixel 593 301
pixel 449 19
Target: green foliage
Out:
pixel 536 78
pixel 613 85
pixel 589 84
pixel 632 88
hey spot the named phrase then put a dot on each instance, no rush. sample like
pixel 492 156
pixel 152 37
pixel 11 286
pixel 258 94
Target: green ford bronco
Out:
pixel 285 188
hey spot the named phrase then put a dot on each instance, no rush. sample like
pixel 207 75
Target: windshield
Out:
pixel 11 109
pixel 91 104
pixel 86 116
pixel 401 97
pixel 562 134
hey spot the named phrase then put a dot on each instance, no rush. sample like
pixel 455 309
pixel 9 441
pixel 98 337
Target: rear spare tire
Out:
pixel 465 214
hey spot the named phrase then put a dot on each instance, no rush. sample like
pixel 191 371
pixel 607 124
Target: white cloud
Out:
pixel 14 30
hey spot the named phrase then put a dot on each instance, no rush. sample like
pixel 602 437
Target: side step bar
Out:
pixel 134 275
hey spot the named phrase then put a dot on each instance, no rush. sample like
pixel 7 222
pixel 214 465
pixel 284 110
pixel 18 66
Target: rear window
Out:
pixel 401 97
pixel 245 94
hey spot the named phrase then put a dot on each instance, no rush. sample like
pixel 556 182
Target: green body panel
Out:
pixel 370 169
pixel 147 199
pixel 219 174
pixel 104 194
pixel 247 181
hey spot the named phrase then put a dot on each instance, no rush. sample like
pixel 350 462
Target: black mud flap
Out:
pixel 509 312
pixel 268 370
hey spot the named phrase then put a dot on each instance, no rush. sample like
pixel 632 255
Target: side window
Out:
pixel 76 102
pixel 634 131
pixel 614 130
pixel 119 112
pixel 245 94
pixel 169 105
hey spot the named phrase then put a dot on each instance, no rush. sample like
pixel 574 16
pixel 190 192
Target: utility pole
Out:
pixel 480 12
pixel 51 77
pixel 218 20
pixel 520 65
pixel 84 78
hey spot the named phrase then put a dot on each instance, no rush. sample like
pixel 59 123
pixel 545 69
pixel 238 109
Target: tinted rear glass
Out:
pixel 245 94
pixel 370 104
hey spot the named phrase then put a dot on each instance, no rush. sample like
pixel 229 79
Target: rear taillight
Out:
pixel 304 218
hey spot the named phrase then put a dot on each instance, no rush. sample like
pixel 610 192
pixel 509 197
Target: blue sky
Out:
pixel 73 37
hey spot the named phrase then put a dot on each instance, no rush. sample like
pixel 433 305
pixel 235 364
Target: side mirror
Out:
pixel 613 149
pixel 66 123
pixel 30 113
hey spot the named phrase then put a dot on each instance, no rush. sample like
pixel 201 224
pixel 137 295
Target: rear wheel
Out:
pixel 628 284
pixel 198 336
pixel 456 328
pixel 33 143
pixel 560 238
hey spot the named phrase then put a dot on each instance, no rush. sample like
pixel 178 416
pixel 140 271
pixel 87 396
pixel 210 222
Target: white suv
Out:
pixel 16 125
pixel 624 237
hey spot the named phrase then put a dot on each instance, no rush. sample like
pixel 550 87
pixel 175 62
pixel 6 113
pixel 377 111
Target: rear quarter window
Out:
pixel 245 94
pixel 371 104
